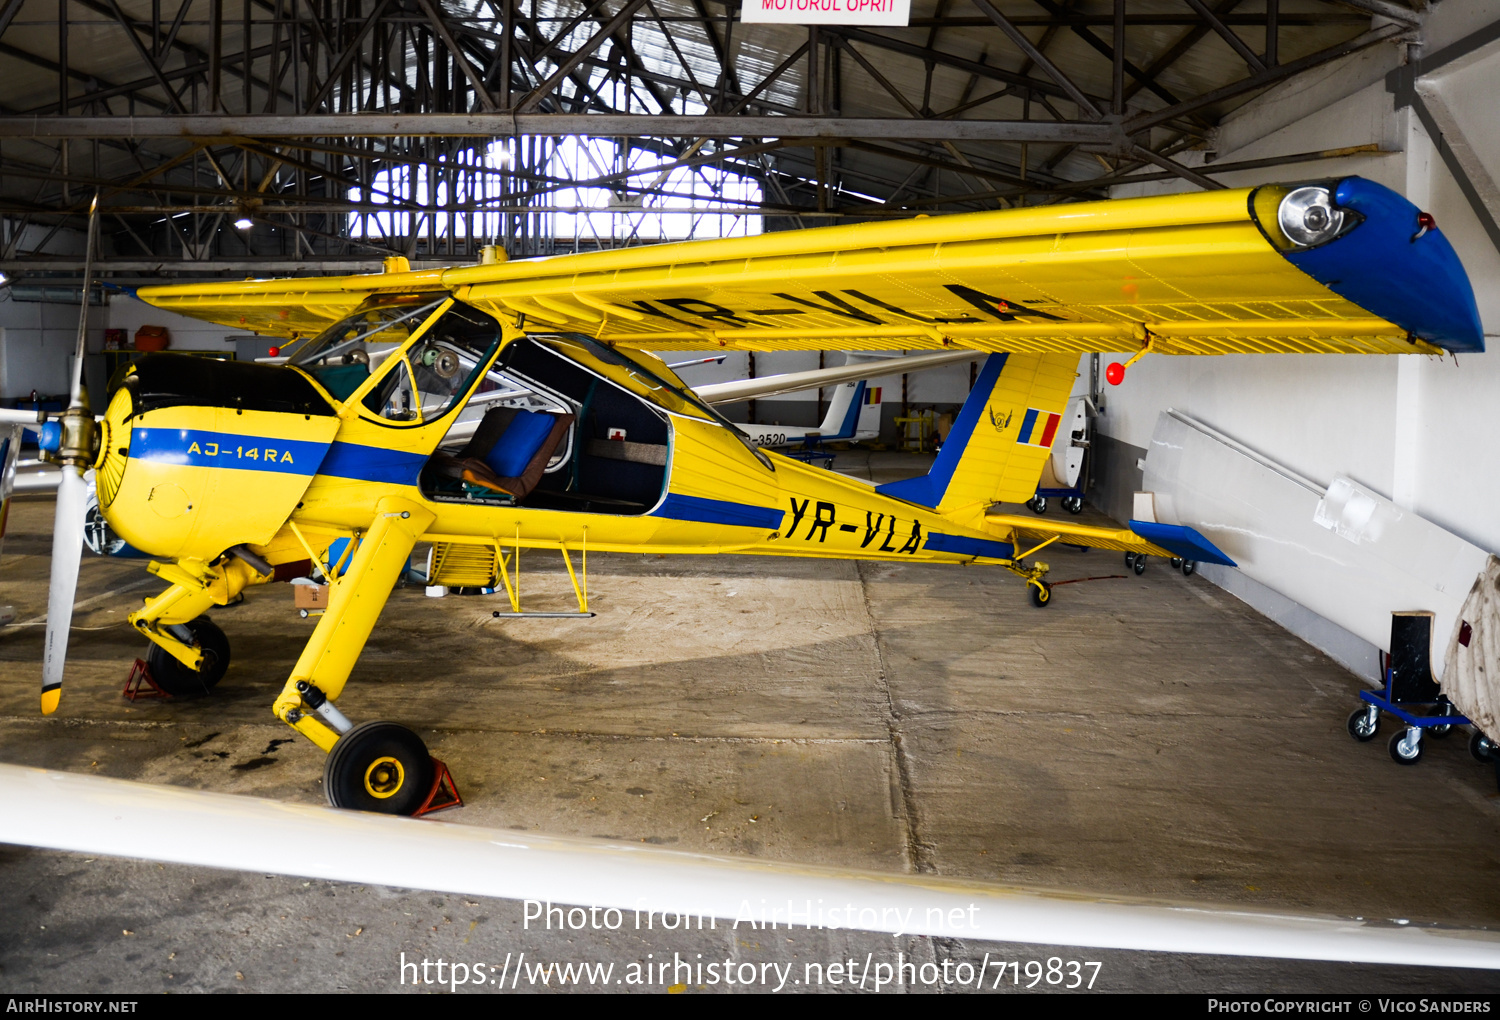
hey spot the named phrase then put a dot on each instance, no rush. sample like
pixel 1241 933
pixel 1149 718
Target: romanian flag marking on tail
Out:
pixel 1038 428
pixel 872 394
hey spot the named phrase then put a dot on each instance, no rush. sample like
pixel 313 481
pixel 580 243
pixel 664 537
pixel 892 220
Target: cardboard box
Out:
pixel 310 596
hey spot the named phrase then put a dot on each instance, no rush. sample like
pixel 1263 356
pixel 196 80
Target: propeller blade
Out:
pixel 72 493
pixel 10 452
pixel 76 397
pixel 67 552
pixel 10 416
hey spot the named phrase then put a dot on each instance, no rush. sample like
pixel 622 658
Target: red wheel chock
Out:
pixel 444 792
pixel 140 683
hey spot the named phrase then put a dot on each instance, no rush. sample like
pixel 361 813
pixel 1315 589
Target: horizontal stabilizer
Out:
pixel 1182 541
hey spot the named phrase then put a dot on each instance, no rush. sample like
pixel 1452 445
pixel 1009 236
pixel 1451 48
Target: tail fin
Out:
pixel 843 412
pixel 1002 437
pixel 869 413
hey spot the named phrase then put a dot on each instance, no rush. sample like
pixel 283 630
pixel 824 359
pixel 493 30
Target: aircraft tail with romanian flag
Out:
pixel 1000 440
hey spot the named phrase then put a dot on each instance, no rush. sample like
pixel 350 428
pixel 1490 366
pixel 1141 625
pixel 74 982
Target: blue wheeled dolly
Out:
pixel 1409 685
pixel 1071 499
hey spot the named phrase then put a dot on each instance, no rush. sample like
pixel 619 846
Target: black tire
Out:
pixel 1037 504
pixel 1480 747
pixel 1073 504
pixel 1176 562
pixel 1359 728
pixel 1189 568
pixel 1041 597
pixel 1130 561
pixel 1395 748
pixel 378 766
pixel 179 681
pixel 1139 566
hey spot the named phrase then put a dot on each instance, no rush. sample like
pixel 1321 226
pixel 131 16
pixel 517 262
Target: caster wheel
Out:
pixel 1041 595
pixel 1404 750
pixel 1130 561
pixel 1176 562
pixel 1363 726
pixel 1481 749
pixel 1037 504
pixel 1189 568
pixel 378 766
pixel 1073 504
pixel 1441 731
pixel 179 681
pixel 1139 566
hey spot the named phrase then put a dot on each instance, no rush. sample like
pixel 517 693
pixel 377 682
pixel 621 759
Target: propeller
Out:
pixel 70 440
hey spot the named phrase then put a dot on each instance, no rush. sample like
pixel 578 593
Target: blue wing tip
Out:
pixel 1391 267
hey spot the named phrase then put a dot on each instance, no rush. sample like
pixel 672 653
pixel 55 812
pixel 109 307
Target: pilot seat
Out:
pixel 505 457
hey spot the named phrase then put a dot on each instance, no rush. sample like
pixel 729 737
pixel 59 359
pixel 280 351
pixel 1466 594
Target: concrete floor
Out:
pixel 1145 736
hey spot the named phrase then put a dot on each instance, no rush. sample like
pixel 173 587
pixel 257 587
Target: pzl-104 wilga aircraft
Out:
pixel 474 407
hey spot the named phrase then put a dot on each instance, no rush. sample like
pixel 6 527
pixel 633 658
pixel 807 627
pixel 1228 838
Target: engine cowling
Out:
pixel 199 455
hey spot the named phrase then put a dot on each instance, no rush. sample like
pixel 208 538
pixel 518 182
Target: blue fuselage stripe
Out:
pixel 373 464
pixel 939 542
pixel 718 511
pixel 195 448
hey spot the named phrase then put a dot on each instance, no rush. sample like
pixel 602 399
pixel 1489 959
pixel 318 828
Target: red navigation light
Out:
pixel 274 352
pixel 1115 373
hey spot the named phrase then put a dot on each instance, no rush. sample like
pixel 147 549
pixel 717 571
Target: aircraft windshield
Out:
pixel 390 322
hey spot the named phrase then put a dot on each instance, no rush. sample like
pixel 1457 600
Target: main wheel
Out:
pixel 1041 593
pixel 1139 566
pixel 1361 726
pixel 1405 751
pixel 1189 568
pixel 180 681
pixel 1481 749
pixel 378 766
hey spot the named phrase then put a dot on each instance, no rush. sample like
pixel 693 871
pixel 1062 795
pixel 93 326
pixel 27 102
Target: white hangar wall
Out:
pixel 1425 432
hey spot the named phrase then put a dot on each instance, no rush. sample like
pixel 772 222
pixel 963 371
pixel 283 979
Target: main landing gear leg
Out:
pixel 189 653
pixel 376 766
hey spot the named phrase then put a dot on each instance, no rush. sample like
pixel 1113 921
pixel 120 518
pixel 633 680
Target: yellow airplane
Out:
pixel 517 405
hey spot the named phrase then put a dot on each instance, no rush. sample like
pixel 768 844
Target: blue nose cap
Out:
pixel 50 438
pixel 1392 268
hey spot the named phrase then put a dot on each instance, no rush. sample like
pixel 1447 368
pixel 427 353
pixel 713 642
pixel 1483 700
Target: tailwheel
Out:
pixel 379 766
pixel 180 681
pixel 1041 593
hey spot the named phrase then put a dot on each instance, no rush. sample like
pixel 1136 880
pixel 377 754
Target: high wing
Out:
pixel 1208 273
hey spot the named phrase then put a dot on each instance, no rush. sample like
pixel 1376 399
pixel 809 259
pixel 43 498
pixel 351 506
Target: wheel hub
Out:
pixel 384 777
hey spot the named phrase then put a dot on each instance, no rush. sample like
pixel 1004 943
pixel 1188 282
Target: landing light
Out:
pixel 1308 216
